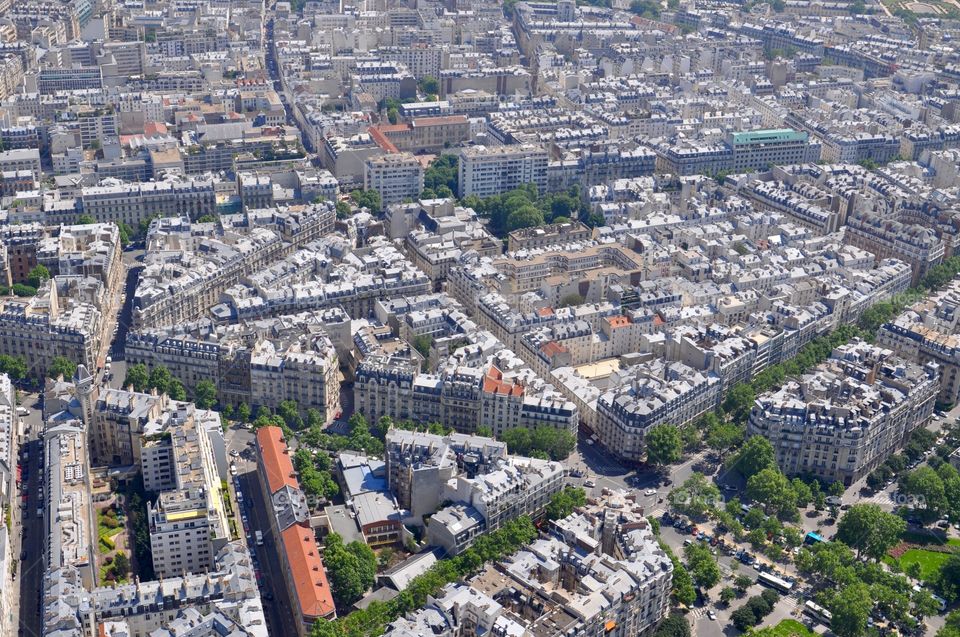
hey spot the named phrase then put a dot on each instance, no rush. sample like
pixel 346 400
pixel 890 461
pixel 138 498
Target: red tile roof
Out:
pixel 381 140
pixel 545 311
pixel 493 383
pixel 552 348
pixel 276 459
pixel 618 321
pixel 306 567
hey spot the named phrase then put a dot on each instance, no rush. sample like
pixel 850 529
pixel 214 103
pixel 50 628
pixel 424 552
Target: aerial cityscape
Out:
pixel 473 318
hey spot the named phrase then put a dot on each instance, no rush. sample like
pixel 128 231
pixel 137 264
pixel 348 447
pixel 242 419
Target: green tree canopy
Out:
pixel 564 502
pixel 870 530
pixel 138 377
pixel 756 455
pixel 205 394
pixel 773 490
pixel 664 445
pixel 851 608
pixel 38 275
pixel 61 366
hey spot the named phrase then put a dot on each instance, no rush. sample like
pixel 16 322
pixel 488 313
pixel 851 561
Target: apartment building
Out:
pixel 55 322
pixel 397 177
pixel 542 589
pixel 503 396
pixel 70 608
pixel 211 259
pixel 927 332
pixel 9 455
pixel 842 421
pixel 517 487
pixel 264 362
pixel 418 464
pixel 132 203
pixel 642 396
pixel 888 238
pixel 178 458
pixel 19 159
pixel 486 171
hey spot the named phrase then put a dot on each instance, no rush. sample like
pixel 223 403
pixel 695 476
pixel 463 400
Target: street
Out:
pixel 31 539
pixel 256 509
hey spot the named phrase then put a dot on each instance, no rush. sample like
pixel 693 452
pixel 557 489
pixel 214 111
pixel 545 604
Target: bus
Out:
pixel 818 612
pixel 782 585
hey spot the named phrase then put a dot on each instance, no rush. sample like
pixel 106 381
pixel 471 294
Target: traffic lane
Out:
pixel 31 550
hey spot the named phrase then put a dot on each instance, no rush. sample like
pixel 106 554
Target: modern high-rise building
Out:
pixel 494 170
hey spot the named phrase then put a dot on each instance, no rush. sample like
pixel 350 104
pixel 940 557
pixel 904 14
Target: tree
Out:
pixel 13 366
pixel 85 220
pixel 121 563
pixel 646 8
pixel 176 390
pixel 772 489
pixel 870 530
pixel 205 394
pixel 683 590
pixel 722 436
pixel 352 569
pixel 947 581
pixel 695 496
pixel 61 366
pixel 138 377
pixel 951 627
pixel 914 570
pixel 756 455
pixel 792 536
pixel 926 485
pixel 369 199
pixel 851 608
pixel 442 173
pixel 727 594
pixel 160 379
pixel 743 619
pixel 429 85
pixel 564 502
pixel 702 565
pixel 742 582
pixel 289 410
pixel 525 217
pixel 243 412
pixel 125 232
pixel 675 625
pixel 519 440
pixel 739 402
pixel 664 445
pixel 38 275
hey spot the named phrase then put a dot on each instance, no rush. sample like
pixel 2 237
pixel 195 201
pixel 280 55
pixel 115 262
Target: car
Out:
pixel 23 411
pixel 729 487
pixel 687 542
pixel 844 507
pixel 676 523
pixel 590 484
pixel 234 453
pixel 650 492
pixel 233 469
pixel 711 615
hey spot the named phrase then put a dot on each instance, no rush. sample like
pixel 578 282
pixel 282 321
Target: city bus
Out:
pixel 818 612
pixel 775 582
